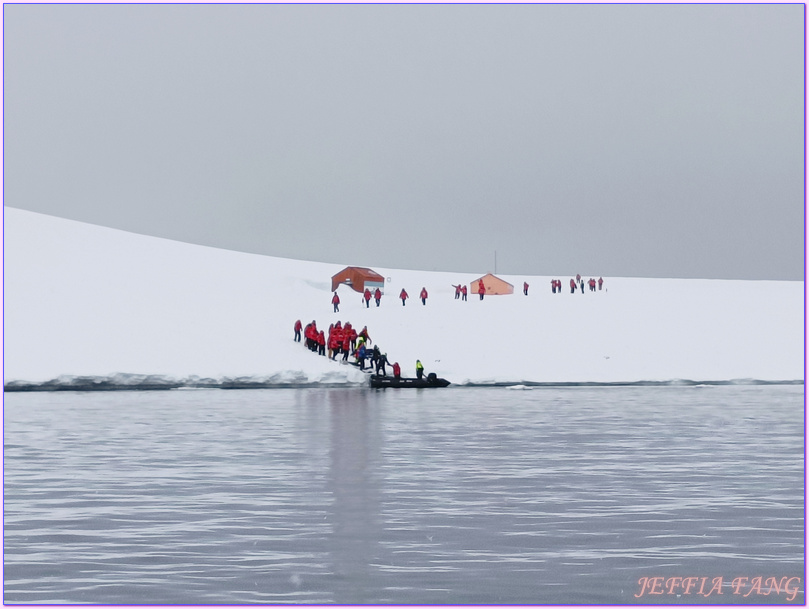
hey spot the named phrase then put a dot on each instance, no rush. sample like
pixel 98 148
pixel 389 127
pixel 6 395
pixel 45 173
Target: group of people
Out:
pixel 578 282
pixel 461 291
pixel 345 340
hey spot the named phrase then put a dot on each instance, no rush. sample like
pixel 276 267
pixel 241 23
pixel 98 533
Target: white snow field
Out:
pixel 86 300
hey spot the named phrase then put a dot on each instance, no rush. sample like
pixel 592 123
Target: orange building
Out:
pixel 494 285
pixel 358 278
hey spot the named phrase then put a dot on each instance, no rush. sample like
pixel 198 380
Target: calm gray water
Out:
pixel 460 495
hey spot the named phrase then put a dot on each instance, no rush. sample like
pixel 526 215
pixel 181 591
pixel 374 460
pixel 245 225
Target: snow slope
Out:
pixel 86 300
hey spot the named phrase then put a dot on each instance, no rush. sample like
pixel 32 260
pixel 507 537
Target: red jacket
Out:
pixel 367 294
pixel 423 293
pixel 336 299
pixel 298 326
pixel 377 294
pixel 481 288
pixel 397 369
pixel 403 294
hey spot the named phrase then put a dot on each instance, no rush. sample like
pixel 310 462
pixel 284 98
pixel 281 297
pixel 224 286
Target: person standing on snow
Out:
pixel 481 289
pixel 377 296
pixel 572 286
pixel 367 296
pixel 346 345
pixel 336 302
pixel 321 343
pixel 463 292
pixel 298 327
pixel 423 296
pixel 600 282
pixel 403 295
pixel 525 288
pixel 457 291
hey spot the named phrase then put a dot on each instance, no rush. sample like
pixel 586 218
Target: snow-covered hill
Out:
pixel 91 301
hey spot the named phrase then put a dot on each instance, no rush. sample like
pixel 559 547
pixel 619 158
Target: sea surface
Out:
pixel 615 495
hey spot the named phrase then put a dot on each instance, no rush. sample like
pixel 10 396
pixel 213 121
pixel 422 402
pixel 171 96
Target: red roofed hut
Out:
pixel 494 285
pixel 358 278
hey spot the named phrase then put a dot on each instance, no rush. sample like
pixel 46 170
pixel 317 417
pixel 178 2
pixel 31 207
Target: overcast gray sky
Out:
pixel 623 140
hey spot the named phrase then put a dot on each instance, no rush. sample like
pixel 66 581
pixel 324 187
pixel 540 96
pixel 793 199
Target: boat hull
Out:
pixel 401 382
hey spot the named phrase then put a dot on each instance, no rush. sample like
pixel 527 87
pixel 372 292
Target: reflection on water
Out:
pixel 356 496
pixel 354 455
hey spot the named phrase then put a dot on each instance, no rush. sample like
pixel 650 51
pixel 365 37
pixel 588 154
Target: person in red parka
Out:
pixel 525 288
pixel 321 343
pixel 423 296
pixel 457 291
pixel 463 292
pixel 332 343
pixel 377 296
pixel 481 289
pixel 600 282
pixel 572 286
pixel 336 302
pixel 336 340
pixel 403 295
pixel 367 297
pixel 298 327
pixel 346 345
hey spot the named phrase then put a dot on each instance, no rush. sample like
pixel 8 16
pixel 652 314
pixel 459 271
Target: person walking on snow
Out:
pixel 377 296
pixel 336 302
pixel 423 296
pixel 367 297
pixel 403 295
pixel 525 288
pixel 298 327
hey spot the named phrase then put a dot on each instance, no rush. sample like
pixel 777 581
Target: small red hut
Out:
pixel 358 278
